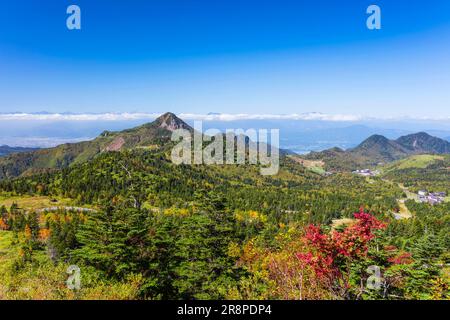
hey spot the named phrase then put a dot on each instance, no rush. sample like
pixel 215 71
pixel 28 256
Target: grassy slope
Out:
pixel 429 172
pixel 404 212
pixel 418 161
pixel 316 166
pixel 33 202
pixel 6 250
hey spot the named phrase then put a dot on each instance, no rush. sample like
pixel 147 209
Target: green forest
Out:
pixel 139 227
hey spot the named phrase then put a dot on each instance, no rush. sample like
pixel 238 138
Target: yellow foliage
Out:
pixel 234 250
pixel 177 212
pixel 44 234
pixel 250 216
pixel 27 232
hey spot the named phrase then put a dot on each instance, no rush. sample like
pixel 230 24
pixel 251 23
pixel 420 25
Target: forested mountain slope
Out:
pixel 154 134
pixel 378 149
pixel 5 150
pixel 165 231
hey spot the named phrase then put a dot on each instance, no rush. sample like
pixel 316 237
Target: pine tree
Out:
pixel 102 241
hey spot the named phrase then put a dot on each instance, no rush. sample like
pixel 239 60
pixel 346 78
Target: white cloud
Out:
pixel 187 116
pixel 77 117
pixel 295 116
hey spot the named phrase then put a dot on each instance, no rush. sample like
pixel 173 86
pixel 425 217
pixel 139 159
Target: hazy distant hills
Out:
pixel 301 136
pixel 379 149
pixel 152 134
pixel 424 143
pixel 5 150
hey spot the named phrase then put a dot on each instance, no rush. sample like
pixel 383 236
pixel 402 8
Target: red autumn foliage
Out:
pixel 401 258
pixel 314 264
pixel 390 248
pixel 331 249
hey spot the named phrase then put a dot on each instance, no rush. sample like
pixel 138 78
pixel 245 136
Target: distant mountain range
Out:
pixel 5 150
pixel 378 149
pixel 301 133
pixel 156 133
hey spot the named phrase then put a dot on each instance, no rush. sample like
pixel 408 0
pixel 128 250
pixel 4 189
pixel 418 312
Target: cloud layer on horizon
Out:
pixel 129 116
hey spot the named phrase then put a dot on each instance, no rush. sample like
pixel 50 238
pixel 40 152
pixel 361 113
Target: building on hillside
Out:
pixel 422 193
pixel 439 194
pixel 367 172
pixel 432 198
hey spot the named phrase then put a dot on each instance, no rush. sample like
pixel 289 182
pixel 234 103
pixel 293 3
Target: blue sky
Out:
pixel 276 57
